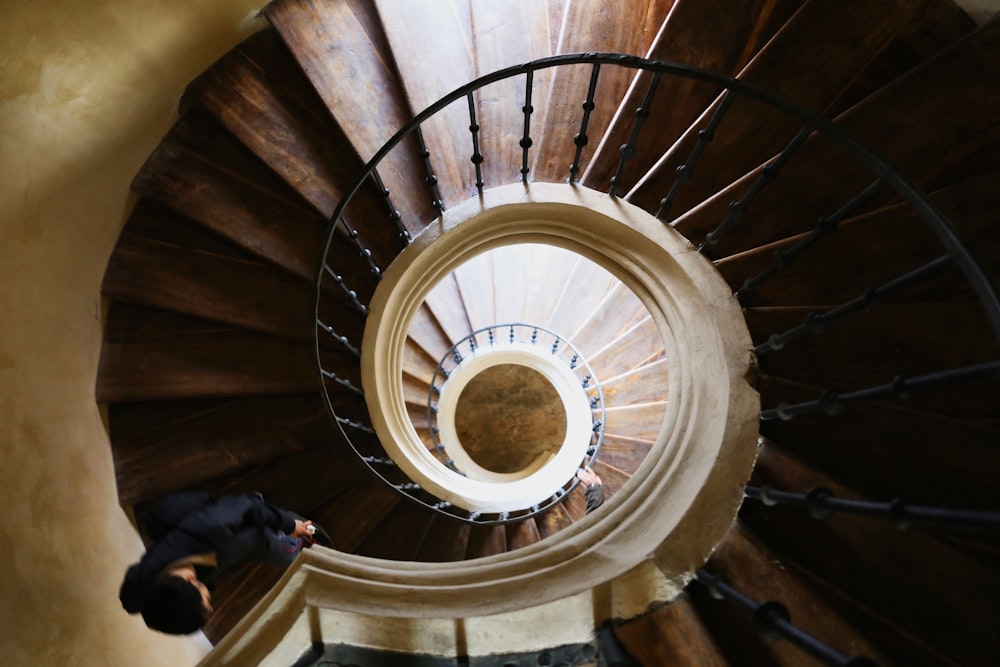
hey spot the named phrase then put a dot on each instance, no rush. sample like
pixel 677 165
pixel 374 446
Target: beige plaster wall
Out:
pixel 86 91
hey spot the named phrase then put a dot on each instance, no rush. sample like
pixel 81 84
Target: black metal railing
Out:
pixel 506 335
pixel 884 182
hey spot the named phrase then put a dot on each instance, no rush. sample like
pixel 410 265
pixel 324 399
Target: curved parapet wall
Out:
pixel 646 541
pixel 706 445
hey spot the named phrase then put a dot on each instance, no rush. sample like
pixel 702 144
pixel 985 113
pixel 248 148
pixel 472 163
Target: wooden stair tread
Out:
pixel 506 34
pixel 870 346
pixel 343 41
pixel 610 319
pixel 894 562
pixel 245 294
pixel 590 25
pixel 626 454
pixel 475 281
pixel 426 334
pixel 868 249
pixel 354 515
pixel 640 345
pixel 738 33
pixel 446 541
pixel 670 635
pixel 434 74
pixel 548 268
pixel 522 534
pixel 948 461
pixel 401 535
pixel 201 441
pixel 963 77
pixel 417 363
pixel 486 540
pixel 511 273
pixel 235 595
pixel 748 565
pixel 792 67
pixel 584 292
pixel 445 304
pixel 182 359
pixel 552 521
pixel 640 422
pixel 191 172
pixel 646 384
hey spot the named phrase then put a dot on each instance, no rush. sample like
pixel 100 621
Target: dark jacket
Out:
pixel 237 528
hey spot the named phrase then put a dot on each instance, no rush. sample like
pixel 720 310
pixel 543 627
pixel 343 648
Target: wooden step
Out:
pixel 522 534
pixel 259 93
pixel 417 363
pixel 732 633
pixel 370 502
pixel 749 566
pixel 869 250
pixel 179 443
pixel 963 129
pixel 619 309
pixel 791 67
pixel 486 540
pixel 247 294
pixel 585 292
pixel 512 269
pixel 547 270
pixel 646 384
pixel 427 335
pixel 401 535
pixel 612 478
pixel 589 25
pixel 638 346
pixel 203 173
pixel 475 281
pixel 957 594
pixel 624 453
pixel 335 42
pixel 948 461
pixel 446 541
pixel 876 344
pixel 671 635
pixel 553 520
pixel 738 32
pixel 637 421
pixel 409 28
pixel 505 34
pixel 183 358
pixel 446 306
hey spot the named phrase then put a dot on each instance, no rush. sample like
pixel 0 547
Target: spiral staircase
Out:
pixel 237 312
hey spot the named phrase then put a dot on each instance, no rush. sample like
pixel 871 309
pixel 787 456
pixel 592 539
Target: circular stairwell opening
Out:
pixel 508 417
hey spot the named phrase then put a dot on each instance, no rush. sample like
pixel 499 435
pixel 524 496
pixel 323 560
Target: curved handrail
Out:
pixel 886 175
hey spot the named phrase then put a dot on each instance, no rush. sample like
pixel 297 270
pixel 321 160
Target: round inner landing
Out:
pixel 508 416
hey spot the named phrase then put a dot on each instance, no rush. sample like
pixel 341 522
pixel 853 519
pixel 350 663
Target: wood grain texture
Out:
pixel 738 33
pixel 791 67
pixel 337 42
pixel 958 595
pixel 670 635
pixel 590 25
pixel 961 117
pixel 640 345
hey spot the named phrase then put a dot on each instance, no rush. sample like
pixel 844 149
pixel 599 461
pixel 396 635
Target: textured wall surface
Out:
pixel 86 92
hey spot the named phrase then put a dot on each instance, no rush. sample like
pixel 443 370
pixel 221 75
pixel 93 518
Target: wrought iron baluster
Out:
pixel 821 503
pixel 581 139
pixel 343 382
pixel 353 235
pixel 430 179
pixel 824 227
pixel 477 156
pixel 773 621
pixel 686 170
pixel 816 323
pixel 394 213
pixel 356 425
pixel 343 340
pixel 351 294
pixel 628 150
pixel 738 208
pixel 833 402
pixel 525 142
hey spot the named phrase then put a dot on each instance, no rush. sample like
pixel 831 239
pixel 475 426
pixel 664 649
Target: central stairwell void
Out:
pixel 406 267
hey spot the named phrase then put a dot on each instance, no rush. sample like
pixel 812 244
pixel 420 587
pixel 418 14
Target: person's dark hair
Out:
pixel 174 606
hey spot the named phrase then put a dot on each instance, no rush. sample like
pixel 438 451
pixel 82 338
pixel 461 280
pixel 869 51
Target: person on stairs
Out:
pixel 195 539
pixel 593 488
